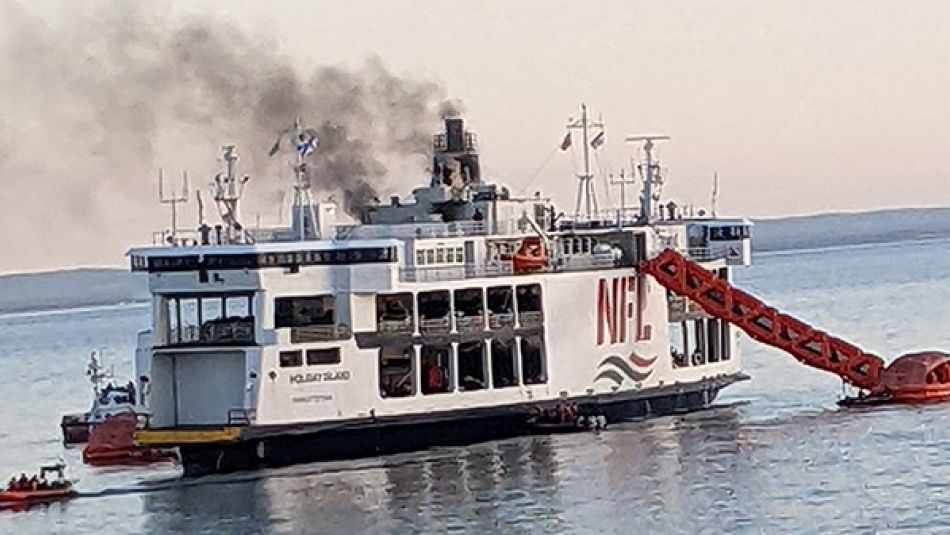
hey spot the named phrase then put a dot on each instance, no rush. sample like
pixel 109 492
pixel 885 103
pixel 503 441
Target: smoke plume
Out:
pixel 94 101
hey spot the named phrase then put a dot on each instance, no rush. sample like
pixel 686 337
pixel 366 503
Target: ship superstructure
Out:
pixel 455 316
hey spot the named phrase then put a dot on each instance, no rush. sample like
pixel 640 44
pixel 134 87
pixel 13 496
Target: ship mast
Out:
pixel 585 184
pixel 305 142
pixel 650 170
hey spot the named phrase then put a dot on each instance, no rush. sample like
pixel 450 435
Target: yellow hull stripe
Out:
pixel 170 437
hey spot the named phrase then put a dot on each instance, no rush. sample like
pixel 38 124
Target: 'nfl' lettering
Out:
pixel 615 309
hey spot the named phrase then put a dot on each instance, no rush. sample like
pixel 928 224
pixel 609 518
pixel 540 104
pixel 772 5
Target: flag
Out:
pixel 306 144
pixel 566 144
pixel 597 141
pixel 274 148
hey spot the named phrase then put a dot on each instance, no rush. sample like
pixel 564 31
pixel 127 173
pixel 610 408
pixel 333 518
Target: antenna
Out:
pixel 227 190
pixel 173 199
pixel 585 184
pixel 623 181
pixel 715 194
pixel 651 173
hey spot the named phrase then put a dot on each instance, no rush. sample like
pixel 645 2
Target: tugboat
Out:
pixel 449 318
pixel 36 489
pixel 107 400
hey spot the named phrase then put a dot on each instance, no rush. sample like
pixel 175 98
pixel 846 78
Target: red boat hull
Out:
pixel 25 496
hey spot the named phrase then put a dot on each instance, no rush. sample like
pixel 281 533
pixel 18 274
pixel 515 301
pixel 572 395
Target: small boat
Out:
pixel 531 256
pixel 107 400
pixel 22 496
pixel 60 488
pixel 565 419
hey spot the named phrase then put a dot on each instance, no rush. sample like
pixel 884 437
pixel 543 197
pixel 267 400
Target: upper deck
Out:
pixel 457 227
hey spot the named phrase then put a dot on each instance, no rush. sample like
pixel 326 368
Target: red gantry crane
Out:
pixel 911 378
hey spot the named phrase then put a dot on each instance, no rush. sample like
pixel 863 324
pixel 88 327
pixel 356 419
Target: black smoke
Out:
pixel 94 99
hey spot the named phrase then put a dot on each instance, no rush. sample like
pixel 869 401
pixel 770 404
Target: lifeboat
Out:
pixel 918 378
pixel 29 496
pixel 112 443
pixel 531 256
pixel 59 489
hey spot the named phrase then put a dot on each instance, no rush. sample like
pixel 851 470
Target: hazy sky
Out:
pixel 801 107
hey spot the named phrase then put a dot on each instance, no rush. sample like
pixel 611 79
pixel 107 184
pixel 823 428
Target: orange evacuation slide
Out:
pixel 912 378
pixel 112 443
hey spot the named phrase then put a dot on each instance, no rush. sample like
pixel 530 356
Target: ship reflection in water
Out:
pixel 655 473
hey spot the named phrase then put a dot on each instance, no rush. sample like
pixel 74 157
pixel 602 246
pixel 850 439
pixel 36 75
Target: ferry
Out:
pixel 453 317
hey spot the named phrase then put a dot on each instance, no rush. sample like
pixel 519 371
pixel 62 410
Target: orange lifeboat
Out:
pixel 918 378
pixel 531 256
pixel 112 443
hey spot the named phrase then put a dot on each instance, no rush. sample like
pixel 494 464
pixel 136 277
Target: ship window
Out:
pixel 440 255
pixel 188 320
pixel 434 308
pixel 237 306
pixel 678 345
pixel 303 311
pixel 500 307
pixel 503 366
pixel 697 335
pixel 576 245
pixel 529 305
pixel 726 340
pixel 471 366
pixel 396 375
pixel 713 343
pixel 323 356
pixel 436 369
pixel 566 245
pixel 532 361
pixel 394 313
pixel 291 359
pixel 171 335
pixel 468 310
pixel 459 257
pixel 420 258
pixel 211 310
pixel 430 256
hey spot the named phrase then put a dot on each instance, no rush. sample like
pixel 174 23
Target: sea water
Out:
pixel 774 455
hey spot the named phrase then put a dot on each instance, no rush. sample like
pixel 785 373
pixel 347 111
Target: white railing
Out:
pixel 193 238
pixel 500 321
pixel 531 319
pixel 318 333
pixel 413 230
pixel 435 326
pixel 240 330
pixel 396 326
pixel 447 273
pixel 470 323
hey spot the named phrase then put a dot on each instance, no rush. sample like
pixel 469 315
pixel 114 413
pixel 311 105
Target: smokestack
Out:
pixel 455 134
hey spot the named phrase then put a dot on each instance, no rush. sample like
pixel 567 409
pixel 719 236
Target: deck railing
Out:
pixel 221 331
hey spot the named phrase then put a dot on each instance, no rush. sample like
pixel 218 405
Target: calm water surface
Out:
pixel 776 455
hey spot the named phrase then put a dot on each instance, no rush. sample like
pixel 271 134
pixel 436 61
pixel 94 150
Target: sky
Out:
pixel 800 107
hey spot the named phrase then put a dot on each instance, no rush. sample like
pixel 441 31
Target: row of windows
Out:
pixel 207 318
pixel 578 245
pixel 439 255
pixel 314 357
pixel 395 312
pixel 698 342
pixel 510 365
